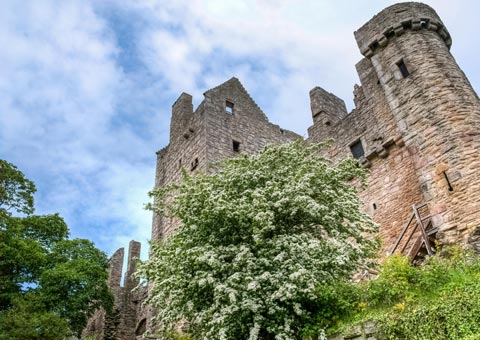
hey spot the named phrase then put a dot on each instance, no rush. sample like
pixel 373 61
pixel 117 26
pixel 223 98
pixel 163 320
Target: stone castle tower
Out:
pixel 415 126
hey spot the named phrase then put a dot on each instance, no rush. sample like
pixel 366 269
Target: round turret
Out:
pixel 435 108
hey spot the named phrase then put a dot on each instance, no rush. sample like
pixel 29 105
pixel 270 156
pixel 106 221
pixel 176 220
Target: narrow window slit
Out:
pixel 194 164
pixel 450 188
pixel 229 107
pixel 403 69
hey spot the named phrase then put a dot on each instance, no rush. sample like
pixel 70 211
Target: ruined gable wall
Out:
pixel 128 312
pixel 247 124
pixel 198 140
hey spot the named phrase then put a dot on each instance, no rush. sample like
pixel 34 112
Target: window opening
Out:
pixel 450 188
pixel 403 68
pixel 194 164
pixel 229 107
pixel 141 328
pixel 236 146
pixel 180 163
pixel 357 149
pixel 374 206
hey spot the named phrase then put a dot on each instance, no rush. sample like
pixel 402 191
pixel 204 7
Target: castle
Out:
pixel 415 126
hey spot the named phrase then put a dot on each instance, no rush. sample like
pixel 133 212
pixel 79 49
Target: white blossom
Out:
pixel 257 239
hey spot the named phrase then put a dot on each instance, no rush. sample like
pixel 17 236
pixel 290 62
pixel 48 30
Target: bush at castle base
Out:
pixel 261 245
pixel 439 299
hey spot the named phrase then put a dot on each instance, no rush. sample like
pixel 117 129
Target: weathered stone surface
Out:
pixel 128 318
pixel 200 139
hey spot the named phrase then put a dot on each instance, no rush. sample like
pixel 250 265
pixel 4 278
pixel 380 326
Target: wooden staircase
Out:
pixel 422 232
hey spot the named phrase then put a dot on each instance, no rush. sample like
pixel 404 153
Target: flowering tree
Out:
pixel 258 240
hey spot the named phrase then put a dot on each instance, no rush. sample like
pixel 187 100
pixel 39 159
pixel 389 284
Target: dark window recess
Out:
pixel 357 149
pixel 236 146
pixel 229 107
pixel 403 68
pixel 374 206
pixel 180 163
pixel 450 188
pixel 141 328
pixel 194 164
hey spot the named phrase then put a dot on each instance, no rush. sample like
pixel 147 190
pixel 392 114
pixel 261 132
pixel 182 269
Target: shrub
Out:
pixel 439 299
pixel 262 246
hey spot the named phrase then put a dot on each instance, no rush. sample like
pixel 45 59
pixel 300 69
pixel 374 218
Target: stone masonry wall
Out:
pixel 187 144
pixel 392 185
pixel 198 140
pixel 436 109
pixel 420 129
pixel 128 315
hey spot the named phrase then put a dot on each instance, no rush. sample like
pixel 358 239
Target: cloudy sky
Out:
pixel 86 87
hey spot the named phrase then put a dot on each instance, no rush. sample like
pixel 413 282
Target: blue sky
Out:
pixel 86 87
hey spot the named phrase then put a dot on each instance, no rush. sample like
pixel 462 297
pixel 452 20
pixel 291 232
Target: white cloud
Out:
pixel 58 99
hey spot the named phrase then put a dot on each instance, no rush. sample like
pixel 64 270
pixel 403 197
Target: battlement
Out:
pixel 393 21
pixel 326 106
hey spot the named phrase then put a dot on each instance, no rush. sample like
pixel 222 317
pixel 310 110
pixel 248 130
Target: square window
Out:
pixel 229 107
pixel 236 146
pixel 357 149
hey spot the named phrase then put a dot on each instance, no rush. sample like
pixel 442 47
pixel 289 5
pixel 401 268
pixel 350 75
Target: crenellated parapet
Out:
pixel 393 21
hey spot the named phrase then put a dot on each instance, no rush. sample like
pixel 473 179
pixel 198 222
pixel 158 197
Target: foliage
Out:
pixel 48 283
pixel 261 244
pixel 29 319
pixel 439 299
pixel 16 191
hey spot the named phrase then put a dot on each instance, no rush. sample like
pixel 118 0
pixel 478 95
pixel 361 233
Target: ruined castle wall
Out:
pixel 128 320
pixel 436 110
pixel 186 150
pixel 200 139
pixel 124 321
pixel 392 186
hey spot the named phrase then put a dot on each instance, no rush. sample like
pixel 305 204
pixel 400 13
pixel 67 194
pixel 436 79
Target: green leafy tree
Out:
pixel 16 191
pixel 49 285
pixel 261 244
